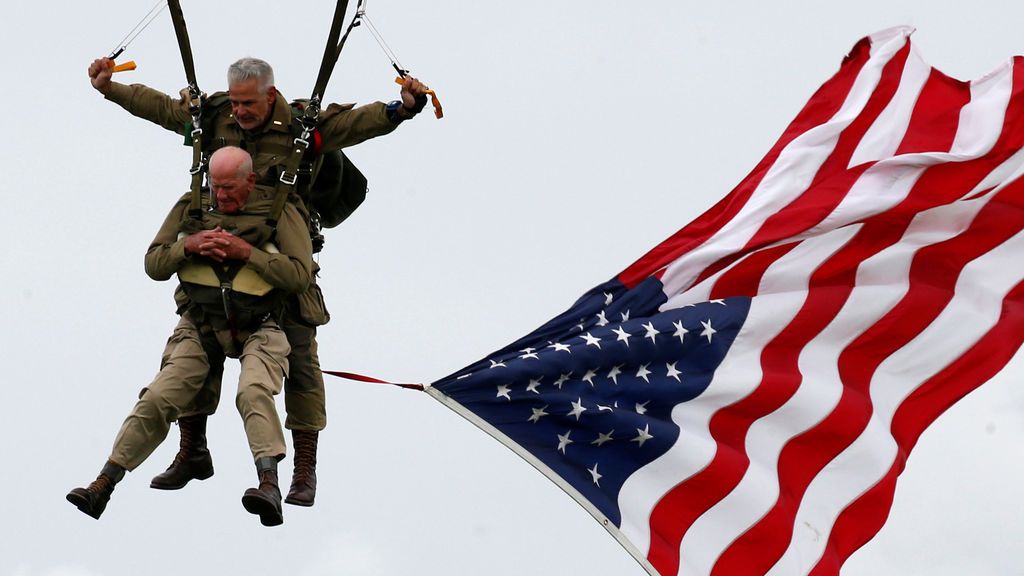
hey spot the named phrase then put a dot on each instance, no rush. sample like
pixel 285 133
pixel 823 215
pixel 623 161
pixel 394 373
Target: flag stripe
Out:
pixel 933 273
pixel 797 464
pixel 699 489
pixel 865 516
pixel 786 180
pixel 777 359
pixel 820 109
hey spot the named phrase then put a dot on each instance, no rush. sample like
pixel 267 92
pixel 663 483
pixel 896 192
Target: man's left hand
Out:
pixel 222 246
pixel 414 97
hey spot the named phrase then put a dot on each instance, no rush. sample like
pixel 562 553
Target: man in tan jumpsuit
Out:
pixel 235 279
pixel 259 120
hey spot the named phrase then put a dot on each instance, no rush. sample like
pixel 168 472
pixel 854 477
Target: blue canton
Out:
pixel 590 394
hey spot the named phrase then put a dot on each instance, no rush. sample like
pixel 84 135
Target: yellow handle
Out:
pixel 124 66
pixel 438 112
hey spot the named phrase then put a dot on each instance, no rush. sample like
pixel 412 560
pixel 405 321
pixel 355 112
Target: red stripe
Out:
pixel 866 515
pixel 933 275
pixel 819 109
pixel 937 112
pixel 806 454
pixel 744 278
pixel 677 511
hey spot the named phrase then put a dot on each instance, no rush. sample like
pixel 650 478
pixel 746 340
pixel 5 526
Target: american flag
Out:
pixel 742 399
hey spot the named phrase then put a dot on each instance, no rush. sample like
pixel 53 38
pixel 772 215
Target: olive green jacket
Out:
pixel 340 125
pixel 290 270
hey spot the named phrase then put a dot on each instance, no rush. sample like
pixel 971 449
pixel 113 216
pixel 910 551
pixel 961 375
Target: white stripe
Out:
pixel 973 310
pixel 887 132
pixel 815 398
pixel 981 125
pixel 887 183
pixel 739 373
pixel 788 177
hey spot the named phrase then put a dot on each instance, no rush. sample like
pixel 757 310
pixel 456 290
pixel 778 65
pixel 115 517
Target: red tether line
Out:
pixel 361 378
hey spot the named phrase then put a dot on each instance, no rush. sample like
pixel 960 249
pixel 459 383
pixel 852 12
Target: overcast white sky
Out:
pixel 578 135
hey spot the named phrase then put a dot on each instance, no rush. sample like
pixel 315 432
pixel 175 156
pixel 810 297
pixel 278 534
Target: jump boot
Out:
pixel 266 499
pixel 192 460
pixel 303 489
pixel 93 499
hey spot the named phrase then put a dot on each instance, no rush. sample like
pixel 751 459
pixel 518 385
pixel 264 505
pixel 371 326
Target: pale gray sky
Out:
pixel 578 135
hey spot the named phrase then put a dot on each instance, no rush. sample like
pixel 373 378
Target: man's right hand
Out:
pixel 100 72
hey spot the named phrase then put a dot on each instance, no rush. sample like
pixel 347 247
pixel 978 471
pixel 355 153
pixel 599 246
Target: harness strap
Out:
pixel 181 32
pixel 195 108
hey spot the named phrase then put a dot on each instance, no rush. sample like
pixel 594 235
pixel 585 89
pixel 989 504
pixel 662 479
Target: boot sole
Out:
pixel 298 502
pixel 83 505
pixel 154 485
pixel 269 514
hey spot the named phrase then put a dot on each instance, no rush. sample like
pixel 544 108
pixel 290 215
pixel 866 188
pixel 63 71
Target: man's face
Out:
pixel 250 108
pixel 229 189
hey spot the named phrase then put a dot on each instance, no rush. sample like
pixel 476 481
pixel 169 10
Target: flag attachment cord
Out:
pixel 372 380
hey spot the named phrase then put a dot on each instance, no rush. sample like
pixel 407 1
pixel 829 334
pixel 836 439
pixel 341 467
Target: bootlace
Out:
pixel 101 484
pixel 305 456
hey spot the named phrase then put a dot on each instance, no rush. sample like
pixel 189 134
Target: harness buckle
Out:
pixel 289 179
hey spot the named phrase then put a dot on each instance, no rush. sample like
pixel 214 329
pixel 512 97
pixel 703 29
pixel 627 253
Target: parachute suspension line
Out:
pixel 132 34
pixel 402 71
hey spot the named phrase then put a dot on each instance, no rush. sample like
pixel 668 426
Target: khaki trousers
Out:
pixel 305 401
pixel 184 368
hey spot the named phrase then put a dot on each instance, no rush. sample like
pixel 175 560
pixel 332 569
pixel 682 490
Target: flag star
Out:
pixel 602 438
pixel 718 301
pixel 680 331
pixel 672 372
pixel 464 376
pixel 604 408
pixel 602 320
pixel 642 435
pixel 578 327
pixel 498 364
pixel 608 298
pixel 562 380
pixel 708 330
pixel 538 413
pixel 532 386
pixel 559 347
pixel 623 335
pixel 643 372
pixel 589 377
pixel 592 340
pixel 577 409
pixel 641 409
pixel 652 332
pixel 625 316
pixel 595 475
pixel 613 374
pixel 529 353
pixel 503 391
pixel 563 441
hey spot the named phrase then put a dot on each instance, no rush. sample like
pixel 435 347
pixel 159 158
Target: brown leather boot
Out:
pixel 266 499
pixel 93 499
pixel 193 459
pixel 303 489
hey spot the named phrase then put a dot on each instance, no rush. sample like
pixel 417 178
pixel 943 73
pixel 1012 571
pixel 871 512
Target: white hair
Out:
pixel 248 68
